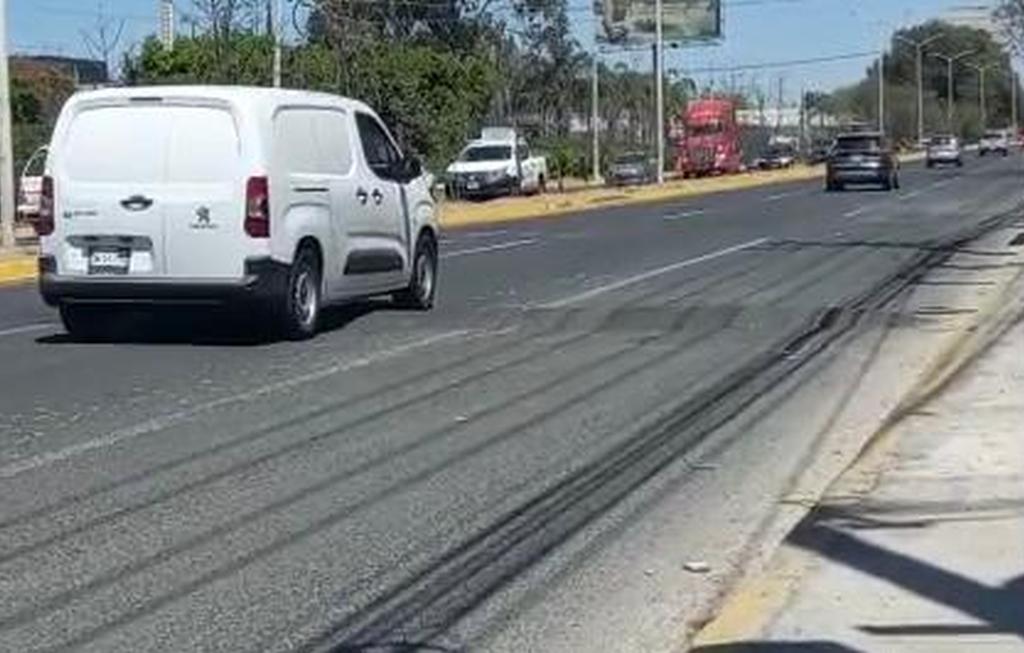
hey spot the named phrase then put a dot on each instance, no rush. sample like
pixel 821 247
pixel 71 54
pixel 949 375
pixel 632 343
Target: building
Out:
pixel 86 73
pixel 976 15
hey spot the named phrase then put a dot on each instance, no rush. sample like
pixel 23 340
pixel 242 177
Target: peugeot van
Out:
pixel 283 200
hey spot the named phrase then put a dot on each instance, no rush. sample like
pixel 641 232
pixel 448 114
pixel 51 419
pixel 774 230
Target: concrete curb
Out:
pixel 18 268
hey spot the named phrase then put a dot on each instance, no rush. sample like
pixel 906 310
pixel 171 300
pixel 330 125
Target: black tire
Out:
pixel 422 289
pixel 929 164
pixel 959 163
pixel 298 315
pixel 86 322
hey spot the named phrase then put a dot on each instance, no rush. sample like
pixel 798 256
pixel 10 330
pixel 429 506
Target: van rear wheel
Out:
pixel 299 312
pixel 85 322
pixel 423 282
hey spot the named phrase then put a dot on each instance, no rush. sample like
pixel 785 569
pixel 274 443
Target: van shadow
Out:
pixel 211 327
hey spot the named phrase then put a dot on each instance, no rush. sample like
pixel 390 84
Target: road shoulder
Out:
pixel 915 546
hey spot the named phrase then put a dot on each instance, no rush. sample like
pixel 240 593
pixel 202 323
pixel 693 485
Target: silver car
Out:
pixel 944 150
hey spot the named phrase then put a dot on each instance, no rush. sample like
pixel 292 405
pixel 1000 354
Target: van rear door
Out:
pixel 152 188
pixel 204 194
pixel 109 185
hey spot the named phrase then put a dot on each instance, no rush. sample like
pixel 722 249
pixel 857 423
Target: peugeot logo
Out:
pixel 203 220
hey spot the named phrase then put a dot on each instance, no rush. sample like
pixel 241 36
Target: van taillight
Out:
pixel 45 220
pixel 257 207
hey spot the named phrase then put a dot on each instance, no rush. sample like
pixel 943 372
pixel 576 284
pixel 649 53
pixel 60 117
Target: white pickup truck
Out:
pixel 497 163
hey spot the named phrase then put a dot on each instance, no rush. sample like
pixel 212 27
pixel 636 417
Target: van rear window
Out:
pixel 152 144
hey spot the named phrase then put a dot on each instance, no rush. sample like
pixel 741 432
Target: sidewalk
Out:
pixel 920 547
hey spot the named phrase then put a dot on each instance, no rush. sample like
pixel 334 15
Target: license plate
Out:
pixel 109 260
pixel 472 185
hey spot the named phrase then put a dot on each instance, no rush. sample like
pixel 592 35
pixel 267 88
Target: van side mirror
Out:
pixel 408 169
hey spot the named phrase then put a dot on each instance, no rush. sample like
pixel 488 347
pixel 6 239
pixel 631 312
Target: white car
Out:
pixel 286 200
pixel 498 163
pixel 30 186
pixel 994 142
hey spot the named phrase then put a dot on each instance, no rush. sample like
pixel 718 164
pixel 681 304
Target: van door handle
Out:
pixel 362 195
pixel 137 203
pixel 378 196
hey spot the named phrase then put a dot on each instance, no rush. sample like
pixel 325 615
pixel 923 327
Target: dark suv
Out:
pixel 862 158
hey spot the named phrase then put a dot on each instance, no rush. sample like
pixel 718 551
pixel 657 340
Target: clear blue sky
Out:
pixel 756 32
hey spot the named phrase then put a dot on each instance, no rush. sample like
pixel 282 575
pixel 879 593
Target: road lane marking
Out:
pixel 684 215
pixel 491 248
pixel 167 420
pixel 28 328
pixel 854 213
pixel 780 196
pixel 944 182
pixel 911 195
pixel 650 274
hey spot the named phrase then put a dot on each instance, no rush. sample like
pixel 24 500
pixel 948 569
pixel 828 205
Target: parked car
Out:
pixel 631 168
pixel 30 186
pixel 943 150
pixel 994 142
pixel 819 152
pixel 862 158
pixel 498 163
pixel 777 157
pixel 283 200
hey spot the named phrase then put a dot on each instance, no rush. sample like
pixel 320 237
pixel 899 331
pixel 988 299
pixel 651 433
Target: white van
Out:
pixel 289 200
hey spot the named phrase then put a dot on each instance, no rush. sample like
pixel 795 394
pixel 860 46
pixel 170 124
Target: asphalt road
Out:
pixel 452 480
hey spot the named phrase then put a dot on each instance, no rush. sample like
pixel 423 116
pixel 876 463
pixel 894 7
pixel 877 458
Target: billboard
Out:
pixel 632 21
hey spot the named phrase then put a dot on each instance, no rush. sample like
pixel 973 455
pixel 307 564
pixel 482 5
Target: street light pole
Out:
pixel 7 208
pixel 659 74
pixel 950 60
pixel 919 47
pixel 595 120
pixel 278 36
pixel 982 108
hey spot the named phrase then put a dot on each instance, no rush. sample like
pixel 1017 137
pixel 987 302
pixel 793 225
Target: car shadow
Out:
pixel 220 327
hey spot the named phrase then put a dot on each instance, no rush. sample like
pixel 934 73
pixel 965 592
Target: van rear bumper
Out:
pixel 263 280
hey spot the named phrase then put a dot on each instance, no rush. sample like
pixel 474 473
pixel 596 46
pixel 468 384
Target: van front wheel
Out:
pixel 300 309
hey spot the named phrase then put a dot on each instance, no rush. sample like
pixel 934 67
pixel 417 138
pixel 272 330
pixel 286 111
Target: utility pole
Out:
pixel 7 208
pixel 778 106
pixel 595 119
pixel 919 47
pixel 950 60
pixel 881 89
pixel 278 37
pixel 1013 103
pixel 659 91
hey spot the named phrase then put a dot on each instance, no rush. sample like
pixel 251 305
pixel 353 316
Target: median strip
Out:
pixel 455 215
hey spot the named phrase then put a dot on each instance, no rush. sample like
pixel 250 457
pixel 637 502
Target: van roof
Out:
pixel 243 95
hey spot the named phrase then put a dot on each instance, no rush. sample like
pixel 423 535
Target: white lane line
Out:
pixel 941 183
pixel 779 196
pixel 650 274
pixel 911 195
pixel 26 329
pixel 684 215
pixel 491 248
pixel 854 213
pixel 164 421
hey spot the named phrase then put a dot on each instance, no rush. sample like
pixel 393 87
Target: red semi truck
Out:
pixel 709 141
